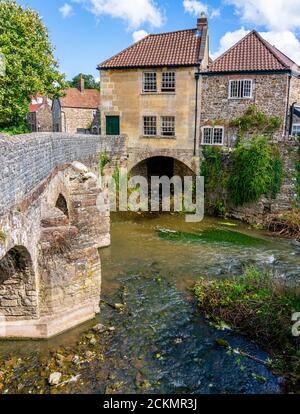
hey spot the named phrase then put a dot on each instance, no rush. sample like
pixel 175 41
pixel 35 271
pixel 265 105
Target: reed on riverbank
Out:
pixel 261 308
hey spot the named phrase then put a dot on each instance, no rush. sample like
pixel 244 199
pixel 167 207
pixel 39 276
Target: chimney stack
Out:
pixel 81 83
pixel 202 22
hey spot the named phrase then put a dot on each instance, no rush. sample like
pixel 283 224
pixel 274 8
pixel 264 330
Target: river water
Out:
pixel 161 343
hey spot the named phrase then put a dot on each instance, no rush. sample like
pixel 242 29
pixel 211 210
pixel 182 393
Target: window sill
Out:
pixel 241 99
pixel 156 137
pixel 212 145
pixel 157 93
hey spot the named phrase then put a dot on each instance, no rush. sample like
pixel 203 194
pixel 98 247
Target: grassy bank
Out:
pixel 260 308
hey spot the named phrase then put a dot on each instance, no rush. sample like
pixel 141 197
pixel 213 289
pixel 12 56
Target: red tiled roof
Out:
pixel 252 53
pixel 35 107
pixel 181 48
pixel 89 99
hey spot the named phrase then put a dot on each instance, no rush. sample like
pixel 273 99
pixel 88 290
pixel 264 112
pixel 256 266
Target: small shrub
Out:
pixel 15 129
pixel 259 307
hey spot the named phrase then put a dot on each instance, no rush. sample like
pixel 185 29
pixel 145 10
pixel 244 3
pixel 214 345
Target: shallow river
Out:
pixel 161 343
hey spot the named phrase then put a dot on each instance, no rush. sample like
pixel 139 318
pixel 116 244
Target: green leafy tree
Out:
pixel 89 82
pixel 30 66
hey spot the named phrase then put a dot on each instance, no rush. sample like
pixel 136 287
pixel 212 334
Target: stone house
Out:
pixel 167 95
pixel 39 117
pixel 252 72
pixel 149 92
pixel 78 111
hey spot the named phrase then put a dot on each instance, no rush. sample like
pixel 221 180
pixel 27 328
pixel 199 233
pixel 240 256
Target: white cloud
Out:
pixel 285 41
pixel 139 35
pixel 133 12
pixel 215 13
pixel 276 15
pixel 196 7
pixel 66 10
pixel 228 40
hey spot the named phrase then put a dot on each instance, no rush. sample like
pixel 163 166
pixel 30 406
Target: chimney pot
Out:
pixel 202 22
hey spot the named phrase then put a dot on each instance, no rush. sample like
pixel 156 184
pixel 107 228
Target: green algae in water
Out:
pixel 228 224
pixel 212 236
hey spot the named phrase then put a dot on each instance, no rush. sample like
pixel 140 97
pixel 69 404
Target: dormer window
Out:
pixel 150 82
pixel 168 82
pixel 240 89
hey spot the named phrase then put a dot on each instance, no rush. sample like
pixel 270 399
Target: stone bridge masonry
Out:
pixel 51 230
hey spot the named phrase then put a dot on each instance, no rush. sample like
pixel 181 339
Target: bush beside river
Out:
pixel 259 307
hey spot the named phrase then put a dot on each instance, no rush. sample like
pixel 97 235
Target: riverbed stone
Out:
pixel 54 378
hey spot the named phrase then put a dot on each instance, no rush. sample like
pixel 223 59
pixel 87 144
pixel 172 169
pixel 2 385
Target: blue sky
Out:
pixel 86 32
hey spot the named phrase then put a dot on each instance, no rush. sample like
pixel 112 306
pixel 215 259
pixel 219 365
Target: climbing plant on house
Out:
pixel 253 169
pixel 254 122
pixel 250 171
pixel 215 175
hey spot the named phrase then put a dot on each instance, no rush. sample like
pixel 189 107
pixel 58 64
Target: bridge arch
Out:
pixel 161 165
pixel 17 284
pixel 62 205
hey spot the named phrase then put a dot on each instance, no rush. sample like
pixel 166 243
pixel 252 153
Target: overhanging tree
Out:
pixel 89 82
pixel 30 66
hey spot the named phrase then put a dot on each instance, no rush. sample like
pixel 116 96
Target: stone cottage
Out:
pixel 166 94
pixel 150 91
pixel 78 111
pixel 39 117
pixel 252 72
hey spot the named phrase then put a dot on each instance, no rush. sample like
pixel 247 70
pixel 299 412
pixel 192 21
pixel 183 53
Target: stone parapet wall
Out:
pixel 26 160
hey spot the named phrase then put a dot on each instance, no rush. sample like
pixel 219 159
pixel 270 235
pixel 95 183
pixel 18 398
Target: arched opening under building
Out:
pixel 163 196
pixel 17 285
pixel 160 166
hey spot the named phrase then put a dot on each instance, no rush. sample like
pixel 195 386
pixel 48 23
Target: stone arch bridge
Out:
pixel 50 231
pixel 51 228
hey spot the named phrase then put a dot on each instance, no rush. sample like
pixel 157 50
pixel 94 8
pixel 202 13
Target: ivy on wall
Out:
pixel 251 172
pixel 253 123
pixel 253 169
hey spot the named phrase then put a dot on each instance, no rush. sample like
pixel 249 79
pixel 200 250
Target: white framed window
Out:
pixel 149 126
pixel 296 129
pixel 213 135
pixel 168 126
pixel 149 82
pixel 240 89
pixel 168 81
